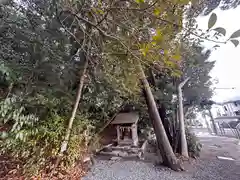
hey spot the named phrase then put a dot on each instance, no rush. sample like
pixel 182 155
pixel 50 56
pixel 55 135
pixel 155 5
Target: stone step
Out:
pixel 123 148
pixel 119 154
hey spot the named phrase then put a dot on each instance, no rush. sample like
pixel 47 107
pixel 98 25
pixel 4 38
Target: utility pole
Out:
pixel 225 88
pixel 184 148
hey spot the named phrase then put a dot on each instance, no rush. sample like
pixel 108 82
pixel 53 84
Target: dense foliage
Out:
pixel 44 46
pixel 39 75
pixel 207 6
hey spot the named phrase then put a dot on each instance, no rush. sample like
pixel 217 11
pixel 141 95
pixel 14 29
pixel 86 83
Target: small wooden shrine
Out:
pixel 126 127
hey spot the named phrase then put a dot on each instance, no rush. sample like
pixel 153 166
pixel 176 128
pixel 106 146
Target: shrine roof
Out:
pixel 126 118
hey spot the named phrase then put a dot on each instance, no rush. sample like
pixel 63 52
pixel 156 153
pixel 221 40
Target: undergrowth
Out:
pixel 35 141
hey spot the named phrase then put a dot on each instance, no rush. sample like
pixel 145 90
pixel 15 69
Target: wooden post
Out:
pixel 134 134
pixel 118 134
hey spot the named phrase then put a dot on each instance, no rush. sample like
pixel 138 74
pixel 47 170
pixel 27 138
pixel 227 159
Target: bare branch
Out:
pixel 135 9
pixel 106 14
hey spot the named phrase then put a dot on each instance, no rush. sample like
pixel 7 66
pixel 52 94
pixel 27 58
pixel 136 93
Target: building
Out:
pixel 227 117
pixel 227 108
pixel 126 128
pixel 122 130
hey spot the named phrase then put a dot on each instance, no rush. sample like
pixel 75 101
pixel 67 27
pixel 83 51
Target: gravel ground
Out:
pixel 208 167
pixel 217 170
pixel 131 170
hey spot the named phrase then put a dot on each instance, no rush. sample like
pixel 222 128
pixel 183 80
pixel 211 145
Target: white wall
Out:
pixel 220 109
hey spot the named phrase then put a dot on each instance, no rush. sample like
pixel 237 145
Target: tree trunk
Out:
pixel 212 120
pixel 73 115
pixel 184 147
pixel 176 130
pixel 166 123
pixel 208 126
pixel 168 156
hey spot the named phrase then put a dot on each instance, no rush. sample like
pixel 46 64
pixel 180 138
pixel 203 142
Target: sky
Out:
pixel 227 56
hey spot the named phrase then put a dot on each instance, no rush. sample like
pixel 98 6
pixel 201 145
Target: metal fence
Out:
pixel 228 126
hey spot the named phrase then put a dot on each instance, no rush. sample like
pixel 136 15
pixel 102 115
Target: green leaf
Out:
pixel 235 42
pixel 153 43
pixel 100 11
pixel 144 50
pixel 220 30
pixel 177 57
pixel 156 12
pixel 236 34
pixel 165 52
pixel 212 20
pixel 139 1
pixel 158 36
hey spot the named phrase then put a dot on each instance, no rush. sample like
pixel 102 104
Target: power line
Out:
pixel 225 88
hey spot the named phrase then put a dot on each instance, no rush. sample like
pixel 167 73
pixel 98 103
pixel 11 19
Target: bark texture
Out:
pixel 212 120
pixel 73 115
pixel 167 153
pixel 184 147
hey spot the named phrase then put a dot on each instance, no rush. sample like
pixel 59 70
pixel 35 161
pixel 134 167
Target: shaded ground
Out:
pixel 208 167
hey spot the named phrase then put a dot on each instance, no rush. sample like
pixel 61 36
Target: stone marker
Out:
pixel 225 158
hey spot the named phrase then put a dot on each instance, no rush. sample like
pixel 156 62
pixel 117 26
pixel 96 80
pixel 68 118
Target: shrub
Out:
pixel 194 146
pixel 36 141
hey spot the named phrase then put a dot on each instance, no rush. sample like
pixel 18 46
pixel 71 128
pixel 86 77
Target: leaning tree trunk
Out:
pixel 73 115
pixel 184 147
pixel 168 156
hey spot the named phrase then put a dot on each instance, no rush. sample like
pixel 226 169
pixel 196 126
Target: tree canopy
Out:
pixel 45 46
pixel 207 6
